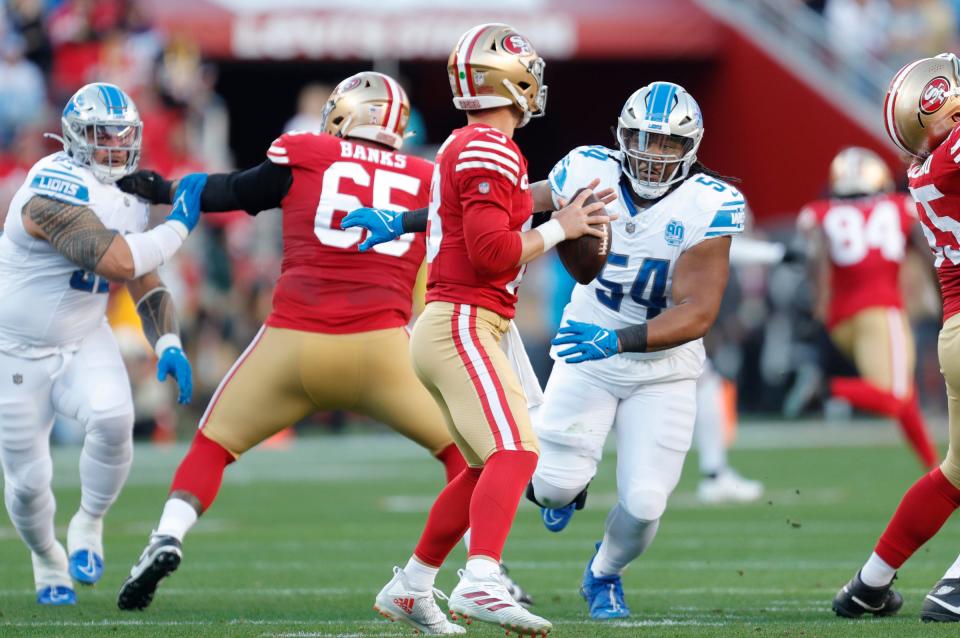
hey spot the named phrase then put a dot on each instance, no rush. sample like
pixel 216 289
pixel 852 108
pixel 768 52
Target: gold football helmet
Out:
pixel 859 171
pixel 368 105
pixel 923 104
pixel 493 65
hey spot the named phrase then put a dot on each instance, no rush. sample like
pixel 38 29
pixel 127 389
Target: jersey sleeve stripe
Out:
pixel 278 150
pixel 278 159
pixel 463 166
pixel 493 146
pixel 490 156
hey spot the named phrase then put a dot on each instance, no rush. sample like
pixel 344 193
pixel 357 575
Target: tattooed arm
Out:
pixel 79 235
pixel 155 307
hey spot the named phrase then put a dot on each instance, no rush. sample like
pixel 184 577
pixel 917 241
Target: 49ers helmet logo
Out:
pixel 517 44
pixel 350 84
pixel 934 95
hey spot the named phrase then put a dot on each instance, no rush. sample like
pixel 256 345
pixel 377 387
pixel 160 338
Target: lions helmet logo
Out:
pixel 934 95
pixel 517 44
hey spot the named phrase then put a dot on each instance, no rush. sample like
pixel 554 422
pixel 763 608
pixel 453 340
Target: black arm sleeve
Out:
pixel 415 221
pixel 253 190
pixel 633 338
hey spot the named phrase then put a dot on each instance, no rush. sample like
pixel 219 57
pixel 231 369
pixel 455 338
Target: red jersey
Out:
pixel 326 284
pixel 480 197
pixel 935 185
pixel 866 241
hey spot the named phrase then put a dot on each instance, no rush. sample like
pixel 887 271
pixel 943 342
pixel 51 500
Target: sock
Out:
pixel 954 571
pixel 495 499
pixel 466 540
pixel 482 568
pixel 448 520
pixel 85 532
pixel 624 538
pixel 711 447
pixel 177 519
pixel 33 518
pixel 922 512
pixel 201 470
pixel 866 396
pixel 915 430
pixel 104 465
pixel 876 572
pixel 420 577
pixel 453 461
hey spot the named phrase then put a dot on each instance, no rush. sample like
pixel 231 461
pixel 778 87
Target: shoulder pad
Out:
pixel 581 165
pixel 58 179
pixel 297 147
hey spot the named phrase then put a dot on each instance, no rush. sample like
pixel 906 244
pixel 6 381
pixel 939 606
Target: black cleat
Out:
pixel 856 599
pixel 515 590
pixel 942 604
pixel 160 559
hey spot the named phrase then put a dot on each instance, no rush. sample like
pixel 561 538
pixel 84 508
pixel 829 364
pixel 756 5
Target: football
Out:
pixel 585 256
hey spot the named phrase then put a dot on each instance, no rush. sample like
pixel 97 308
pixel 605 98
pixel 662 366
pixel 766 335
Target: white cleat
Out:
pixel 728 487
pixel 419 609
pixel 488 600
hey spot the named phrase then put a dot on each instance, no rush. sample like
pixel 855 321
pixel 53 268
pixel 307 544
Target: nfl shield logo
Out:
pixel 674 232
pixel 17 379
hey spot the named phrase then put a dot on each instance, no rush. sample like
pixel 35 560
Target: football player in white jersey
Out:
pixel 630 351
pixel 69 231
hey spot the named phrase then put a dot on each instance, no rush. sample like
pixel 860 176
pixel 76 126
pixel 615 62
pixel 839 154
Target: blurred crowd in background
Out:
pixel 765 338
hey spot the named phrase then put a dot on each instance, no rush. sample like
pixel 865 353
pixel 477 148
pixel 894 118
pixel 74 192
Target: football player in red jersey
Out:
pixel 858 240
pixel 921 112
pixel 479 240
pixel 336 338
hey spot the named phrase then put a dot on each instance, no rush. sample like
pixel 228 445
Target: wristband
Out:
pixel 633 338
pixel 552 233
pixel 169 340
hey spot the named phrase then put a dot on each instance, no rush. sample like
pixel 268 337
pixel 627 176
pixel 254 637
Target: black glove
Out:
pixel 148 185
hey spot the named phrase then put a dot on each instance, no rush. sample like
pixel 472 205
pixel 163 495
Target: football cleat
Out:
pixel 557 519
pixel 51 577
pixel 942 604
pixel 85 545
pixel 419 609
pixel 515 590
pixel 604 594
pixel 56 595
pixel 856 598
pixel 488 600
pixel 86 566
pixel 160 558
pixel 728 487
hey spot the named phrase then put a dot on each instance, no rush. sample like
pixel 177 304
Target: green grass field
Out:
pixel 301 540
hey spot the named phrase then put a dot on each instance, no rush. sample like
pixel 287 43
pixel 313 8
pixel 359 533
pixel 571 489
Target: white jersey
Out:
pixel 635 284
pixel 49 303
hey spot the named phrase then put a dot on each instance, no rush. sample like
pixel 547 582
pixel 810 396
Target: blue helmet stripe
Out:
pixel 113 98
pixel 668 103
pixel 661 101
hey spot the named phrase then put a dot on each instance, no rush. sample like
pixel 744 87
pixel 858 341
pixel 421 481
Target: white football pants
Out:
pixel 90 386
pixel 711 443
pixel 653 417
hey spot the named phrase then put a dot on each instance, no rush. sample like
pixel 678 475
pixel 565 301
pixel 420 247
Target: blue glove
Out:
pixel 186 201
pixel 589 342
pixel 174 362
pixel 383 225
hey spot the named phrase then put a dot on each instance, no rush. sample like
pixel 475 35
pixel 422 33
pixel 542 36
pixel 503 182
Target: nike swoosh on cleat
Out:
pixel 56 597
pixel 866 606
pixel 946 606
pixel 90 569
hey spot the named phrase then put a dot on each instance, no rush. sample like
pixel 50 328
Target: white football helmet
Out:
pixel 102 130
pixel 659 131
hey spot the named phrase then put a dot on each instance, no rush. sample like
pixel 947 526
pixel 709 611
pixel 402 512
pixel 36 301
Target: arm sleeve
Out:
pixel 491 245
pixel 253 190
pixel 415 221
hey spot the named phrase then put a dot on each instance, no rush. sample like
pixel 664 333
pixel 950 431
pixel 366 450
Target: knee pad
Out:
pixel 30 480
pixel 562 468
pixel 542 493
pixel 109 427
pixel 644 504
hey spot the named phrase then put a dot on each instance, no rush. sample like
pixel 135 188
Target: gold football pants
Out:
pixel 879 341
pixel 948 350
pixel 456 354
pixel 285 375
